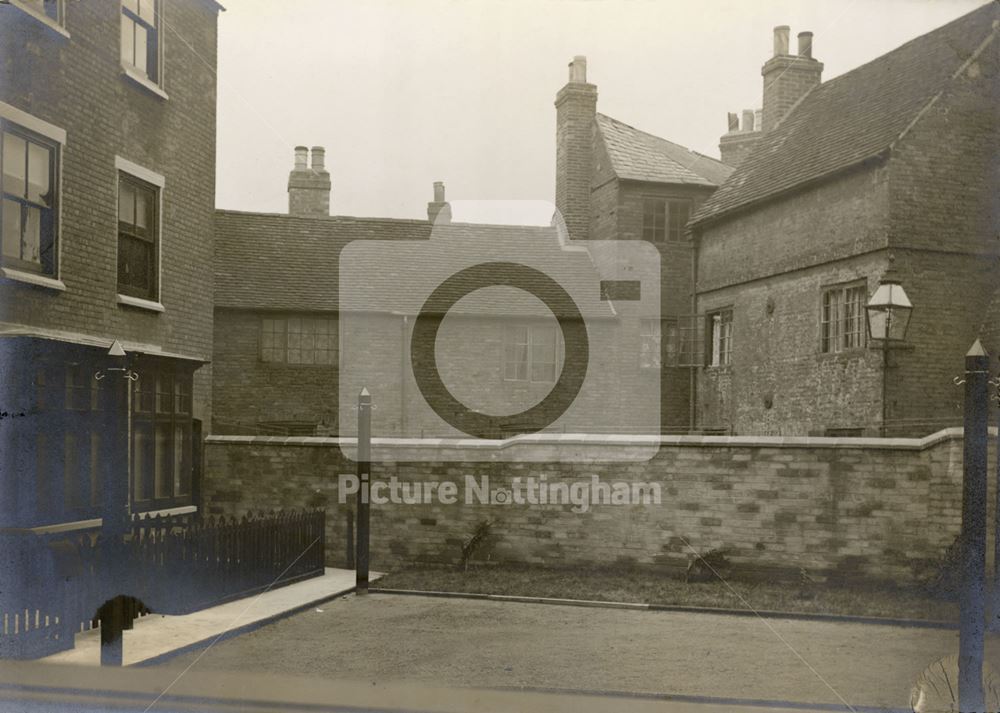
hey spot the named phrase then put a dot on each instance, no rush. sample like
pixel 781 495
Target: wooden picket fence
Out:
pixel 53 585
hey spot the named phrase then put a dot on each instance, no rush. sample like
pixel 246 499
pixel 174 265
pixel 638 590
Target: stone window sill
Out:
pixel 44 19
pixel 33 279
pixel 143 82
pixel 150 305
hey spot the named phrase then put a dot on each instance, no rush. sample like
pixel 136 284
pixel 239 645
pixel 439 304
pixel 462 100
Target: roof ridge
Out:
pixel 918 38
pixel 908 79
pixel 324 218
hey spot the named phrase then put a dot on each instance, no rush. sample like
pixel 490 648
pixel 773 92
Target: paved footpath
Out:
pixel 487 644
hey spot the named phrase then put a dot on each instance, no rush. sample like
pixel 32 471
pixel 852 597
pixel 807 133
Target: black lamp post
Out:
pixel 116 502
pixel 116 515
pixel 888 312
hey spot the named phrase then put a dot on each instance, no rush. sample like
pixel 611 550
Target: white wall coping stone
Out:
pixel 604 440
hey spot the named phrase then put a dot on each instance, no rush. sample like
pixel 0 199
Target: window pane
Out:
pixel 134 263
pixel 140 48
pixel 147 11
pixel 31 240
pixel 42 476
pixel 14 151
pixel 71 463
pixel 126 202
pixel 140 463
pixel 182 393
pixel 11 229
pixel 182 459
pixel 142 208
pixel 163 477
pixel 128 41
pixel 38 174
pixel 132 5
pixel 95 467
pixel 164 393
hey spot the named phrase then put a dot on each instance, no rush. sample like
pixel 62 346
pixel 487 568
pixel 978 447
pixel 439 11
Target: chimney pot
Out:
pixel 748 119
pixel 318 158
pixel 734 122
pixel 438 210
pixel 805 44
pixel 781 40
pixel 301 158
pixel 578 70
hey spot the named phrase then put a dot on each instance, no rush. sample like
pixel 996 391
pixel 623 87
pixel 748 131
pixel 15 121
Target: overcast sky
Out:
pixel 404 92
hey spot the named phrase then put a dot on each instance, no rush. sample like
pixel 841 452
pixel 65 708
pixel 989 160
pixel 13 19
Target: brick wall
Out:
pixel 615 395
pixel 877 508
pixel 247 391
pixel 77 84
pixel 771 266
pixel 931 206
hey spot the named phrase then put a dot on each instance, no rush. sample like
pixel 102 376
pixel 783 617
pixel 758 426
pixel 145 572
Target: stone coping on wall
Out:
pixel 550 440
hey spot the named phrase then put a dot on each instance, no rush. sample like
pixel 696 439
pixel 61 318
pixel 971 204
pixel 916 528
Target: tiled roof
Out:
pixel 853 117
pixel 279 262
pixel 636 155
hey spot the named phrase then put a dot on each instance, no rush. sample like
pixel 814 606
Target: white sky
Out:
pixel 404 92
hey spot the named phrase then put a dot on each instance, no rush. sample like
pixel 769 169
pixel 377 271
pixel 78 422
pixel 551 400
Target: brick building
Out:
pixel 615 182
pixel 286 344
pixel 108 184
pixel 891 163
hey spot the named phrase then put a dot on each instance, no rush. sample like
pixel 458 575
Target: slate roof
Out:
pixel 853 117
pixel 636 155
pixel 284 263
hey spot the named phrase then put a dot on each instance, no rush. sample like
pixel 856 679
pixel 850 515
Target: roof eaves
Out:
pixel 699 223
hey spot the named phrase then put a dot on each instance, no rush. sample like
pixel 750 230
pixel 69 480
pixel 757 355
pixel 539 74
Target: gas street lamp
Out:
pixel 888 312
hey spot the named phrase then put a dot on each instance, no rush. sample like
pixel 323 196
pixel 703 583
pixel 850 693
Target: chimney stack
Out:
pixel 438 210
pixel 787 77
pixel 735 145
pixel 309 185
pixel 781 40
pixel 806 45
pixel 576 115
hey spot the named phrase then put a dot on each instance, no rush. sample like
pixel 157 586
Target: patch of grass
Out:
pixel 647 588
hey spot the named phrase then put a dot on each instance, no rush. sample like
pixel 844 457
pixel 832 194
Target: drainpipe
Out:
pixel 404 350
pixel 692 372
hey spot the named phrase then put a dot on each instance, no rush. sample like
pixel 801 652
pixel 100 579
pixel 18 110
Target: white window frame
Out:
pixel 333 334
pixel 57 135
pixel 717 323
pixel 123 165
pixel 129 70
pixel 832 331
pixel 57 24
pixel 650 343
pixel 529 375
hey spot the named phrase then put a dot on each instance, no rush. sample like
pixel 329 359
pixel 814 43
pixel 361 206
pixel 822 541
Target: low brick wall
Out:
pixel 877 508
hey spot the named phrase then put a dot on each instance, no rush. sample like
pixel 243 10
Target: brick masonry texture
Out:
pixel 105 114
pixel 925 205
pixel 839 507
pixel 931 206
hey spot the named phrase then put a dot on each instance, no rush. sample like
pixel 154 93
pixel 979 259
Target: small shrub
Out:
pixel 706 567
pixel 482 535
